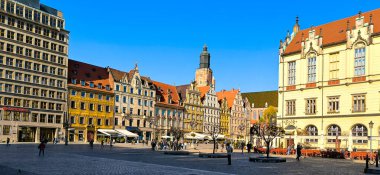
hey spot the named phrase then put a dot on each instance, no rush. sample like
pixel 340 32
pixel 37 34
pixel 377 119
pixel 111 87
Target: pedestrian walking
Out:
pixel 41 147
pixel 153 144
pixel 229 150
pixel 102 144
pixel 299 148
pixel 8 140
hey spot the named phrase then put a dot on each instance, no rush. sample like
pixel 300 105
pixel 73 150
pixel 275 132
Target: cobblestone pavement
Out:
pixel 80 159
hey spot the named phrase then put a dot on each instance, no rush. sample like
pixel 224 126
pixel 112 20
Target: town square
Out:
pixel 199 87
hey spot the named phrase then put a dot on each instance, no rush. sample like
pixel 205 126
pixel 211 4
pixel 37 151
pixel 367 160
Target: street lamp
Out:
pixel 67 125
pixel 370 127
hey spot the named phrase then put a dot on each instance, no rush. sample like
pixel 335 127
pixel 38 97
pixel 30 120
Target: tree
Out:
pixel 214 130
pixel 177 134
pixel 267 129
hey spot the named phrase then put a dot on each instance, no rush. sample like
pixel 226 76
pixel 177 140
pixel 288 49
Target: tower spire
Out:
pixel 296 27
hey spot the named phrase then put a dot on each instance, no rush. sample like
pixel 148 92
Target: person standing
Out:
pixel 242 147
pixel 102 144
pixel 41 147
pixel 299 148
pixel 8 140
pixel 289 150
pixel 229 153
pixel 249 147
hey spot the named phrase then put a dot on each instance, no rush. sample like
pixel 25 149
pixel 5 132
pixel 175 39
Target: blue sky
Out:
pixel 166 37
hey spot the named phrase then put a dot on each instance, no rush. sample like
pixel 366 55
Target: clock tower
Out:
pixel 203 75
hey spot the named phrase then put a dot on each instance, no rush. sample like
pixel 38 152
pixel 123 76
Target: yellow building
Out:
pixel 224 117
pixel 91 101
pixel 329 82
pixel 193 119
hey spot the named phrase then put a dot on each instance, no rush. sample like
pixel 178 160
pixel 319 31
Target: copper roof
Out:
pixel 260 98
pixel 333 32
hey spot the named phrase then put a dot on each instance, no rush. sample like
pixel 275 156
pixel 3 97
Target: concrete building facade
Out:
pixel 33 71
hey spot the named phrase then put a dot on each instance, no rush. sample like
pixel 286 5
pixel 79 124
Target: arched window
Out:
pixel 359 130
pixel 312 130
pixel 333 130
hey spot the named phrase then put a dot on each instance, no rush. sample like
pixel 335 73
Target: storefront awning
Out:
pixel 126 133
pixel 109 132
pixel 195 136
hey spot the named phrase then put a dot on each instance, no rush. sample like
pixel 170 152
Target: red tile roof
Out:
pixel 182 91
pixel 89 73
pixel 163 89
pixel 117 74
pixel 204 90
pixel 333 32
pixel 229 95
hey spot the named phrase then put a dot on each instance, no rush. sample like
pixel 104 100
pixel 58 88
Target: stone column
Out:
pixel 37 135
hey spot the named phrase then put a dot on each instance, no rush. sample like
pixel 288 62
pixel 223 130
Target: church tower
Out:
pixel 203 75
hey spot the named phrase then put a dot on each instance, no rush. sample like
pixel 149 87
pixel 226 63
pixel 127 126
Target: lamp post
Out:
pixel 66 128
pixel 370 127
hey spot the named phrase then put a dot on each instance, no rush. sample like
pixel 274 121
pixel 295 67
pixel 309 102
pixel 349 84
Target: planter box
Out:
pixel 210 155
pixel 267 160
pixel 176 152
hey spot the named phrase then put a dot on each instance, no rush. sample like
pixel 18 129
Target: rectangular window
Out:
pixel 291 73
pixel 360 61
pixel 358 103
pixel 6 129
pixel 82 106
pixel 333 104
pixel 99 122
pixel 42 118
pixel 310 106
pixel 334 66
pixel 81 120
pixel 19 63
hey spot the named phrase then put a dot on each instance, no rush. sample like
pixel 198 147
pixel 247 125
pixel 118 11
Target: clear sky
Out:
pixel 166 37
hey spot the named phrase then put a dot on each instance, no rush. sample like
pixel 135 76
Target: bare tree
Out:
pixel 214 130
pixel 268 131
pixel 177 134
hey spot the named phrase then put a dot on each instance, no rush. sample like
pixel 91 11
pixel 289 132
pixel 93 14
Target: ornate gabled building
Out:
pixel 329 83
pixel 91 101
pixel 169 111
pixel 33 71
pixel 238 119
pixel 134 102
pixel 225 114
pixel 211 108
pixel 191 98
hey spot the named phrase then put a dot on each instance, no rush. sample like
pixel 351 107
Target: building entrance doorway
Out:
pixel 289 142
pixel 47 134
pixel 26 134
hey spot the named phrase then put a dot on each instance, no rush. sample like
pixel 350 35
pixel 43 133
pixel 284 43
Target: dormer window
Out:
pixel 82 83
pixel 107 87
pixel 100 86
pixel 73 81
pixel 158 97
pixel 91 84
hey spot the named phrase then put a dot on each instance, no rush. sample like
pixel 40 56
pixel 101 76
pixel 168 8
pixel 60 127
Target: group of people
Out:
pixel 168 145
